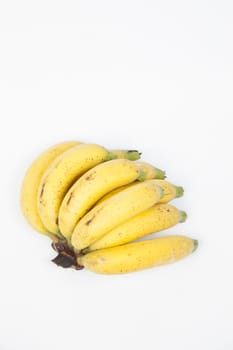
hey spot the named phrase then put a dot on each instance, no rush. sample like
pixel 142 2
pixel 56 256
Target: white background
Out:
pixel 152 75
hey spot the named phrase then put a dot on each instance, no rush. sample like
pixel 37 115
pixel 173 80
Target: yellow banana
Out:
pixel 139 255
pixel 126 154
pixel 113 212
pixel 61 175
pixel 31 181
pixel 94 184
pixel 157 218
pixel 150 171
pixel 170 191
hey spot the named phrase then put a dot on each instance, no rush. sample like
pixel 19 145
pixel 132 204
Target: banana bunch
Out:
pixel 93 202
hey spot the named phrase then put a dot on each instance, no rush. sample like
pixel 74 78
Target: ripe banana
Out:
pixel 150 171
pixel 31 181
pixel 113 212
pixel 126 154
pixel 157 218
pixel 139 255
pixel 61 175
pixel 94 184
pixel 170 191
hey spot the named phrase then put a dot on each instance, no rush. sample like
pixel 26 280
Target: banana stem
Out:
pixel 53 237
pixel 66 257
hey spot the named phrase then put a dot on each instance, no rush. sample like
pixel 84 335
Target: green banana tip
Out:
pixel 133 155
pixel 183 216
pixel 179 191
pixel 159 174
pixel 195 245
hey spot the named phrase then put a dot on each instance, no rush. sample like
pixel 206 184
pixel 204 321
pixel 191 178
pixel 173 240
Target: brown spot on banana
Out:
pixel 89 221
pixel 42 191
pixel 70 197
pixel 90 176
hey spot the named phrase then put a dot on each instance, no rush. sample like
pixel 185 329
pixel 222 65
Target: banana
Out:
pixel 170 191
pixel 139 255
pixel 94 184
pixel 61 175
pixel 90 187
pixel 126 154
pixel 31 181
pixel 157 218
pixel 113 212
pixel 150 171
